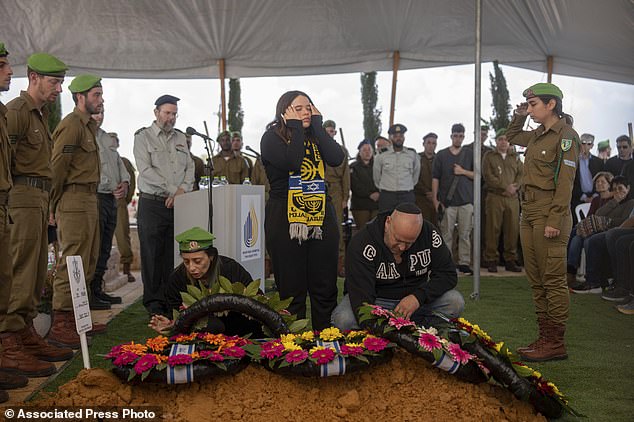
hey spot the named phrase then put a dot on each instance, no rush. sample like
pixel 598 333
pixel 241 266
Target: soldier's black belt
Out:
pixel 152 197
pixel 36 182
pixel 78 187
pixel 530 195
pixel 4 198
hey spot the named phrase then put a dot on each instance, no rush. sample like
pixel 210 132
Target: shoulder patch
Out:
pixel 369 252
pixel 68 149
pixel 570 163
pixel 566 144
pixel 138 131
pixel 178 130
pixel 436 239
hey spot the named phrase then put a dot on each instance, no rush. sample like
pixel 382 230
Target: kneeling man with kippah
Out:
pixel 400 262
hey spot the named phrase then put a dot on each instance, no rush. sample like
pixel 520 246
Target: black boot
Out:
pixel 98 293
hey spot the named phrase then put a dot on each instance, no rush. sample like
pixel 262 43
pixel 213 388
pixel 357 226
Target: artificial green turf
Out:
pixel 597 377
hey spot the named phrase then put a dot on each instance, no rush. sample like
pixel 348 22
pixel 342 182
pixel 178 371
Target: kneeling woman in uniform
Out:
pixel 552 152
pixel 202 263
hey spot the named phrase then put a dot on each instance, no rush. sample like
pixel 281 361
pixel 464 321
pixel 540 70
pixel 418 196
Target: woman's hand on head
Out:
pixel 290 114
pixel 314 110
pixel 521 109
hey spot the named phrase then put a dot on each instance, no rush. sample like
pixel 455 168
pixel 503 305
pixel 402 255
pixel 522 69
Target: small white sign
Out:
pixel 79 294
pixel 251 220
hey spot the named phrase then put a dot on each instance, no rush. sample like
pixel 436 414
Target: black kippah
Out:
pixel 408 208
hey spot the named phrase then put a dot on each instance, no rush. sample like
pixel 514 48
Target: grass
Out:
pixel 597 377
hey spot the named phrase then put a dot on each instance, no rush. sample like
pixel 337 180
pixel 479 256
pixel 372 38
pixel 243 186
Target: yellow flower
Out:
pixel 330 334
pixel 498 346
pixel 139 349
pixel 157 344
pixel 290 346
pixel 537 374
pixel 353 334
pixel 308 335
pixel 354 344
pixel 316 348
pixel 288 338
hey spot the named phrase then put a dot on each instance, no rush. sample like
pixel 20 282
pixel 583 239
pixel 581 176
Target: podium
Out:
pixel 238 223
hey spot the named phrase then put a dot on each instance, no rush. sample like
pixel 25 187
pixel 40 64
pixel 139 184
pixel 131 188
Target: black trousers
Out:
pixel 156 237
pixel 107 223
pixel 309 268
pixel 388 200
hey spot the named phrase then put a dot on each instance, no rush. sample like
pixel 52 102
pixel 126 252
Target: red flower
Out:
pixel 234 351
pixel 296 356
pixel 351 350
pixel 146 363
pixel 182 359
pixel 375 344
pixel 323 356
pixel 271 350
pixel 125 358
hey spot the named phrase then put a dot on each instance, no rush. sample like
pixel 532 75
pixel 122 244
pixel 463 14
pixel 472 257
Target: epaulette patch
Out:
pixel 138 131
pixel 69 149
pixel 566 144
pixel 13 139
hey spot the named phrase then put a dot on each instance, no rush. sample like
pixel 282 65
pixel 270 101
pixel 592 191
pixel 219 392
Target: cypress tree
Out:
pixel 500 95
pixel 55 113
pixel 235 117
pixel 369 97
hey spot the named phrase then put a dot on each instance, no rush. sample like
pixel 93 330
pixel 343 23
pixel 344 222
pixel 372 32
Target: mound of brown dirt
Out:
pixel 406 389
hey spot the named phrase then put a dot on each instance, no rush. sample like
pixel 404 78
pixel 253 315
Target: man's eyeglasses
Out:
pixel 587 143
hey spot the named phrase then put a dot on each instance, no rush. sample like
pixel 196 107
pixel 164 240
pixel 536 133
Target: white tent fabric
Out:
pixel 186 38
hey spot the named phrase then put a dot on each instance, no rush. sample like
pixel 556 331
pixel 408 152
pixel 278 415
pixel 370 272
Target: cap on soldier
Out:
pixel 603 145
pixel 84 82
pixel 330 123
pixel 543 88
pixel 364 142
pixel 500 132
pixel 484 126
pixel 194 240
pixel 166 99
pixel 236 134
pixel 3 50
pixel 397 128
pixel 46 64
pixel 224 133
pixel 430 135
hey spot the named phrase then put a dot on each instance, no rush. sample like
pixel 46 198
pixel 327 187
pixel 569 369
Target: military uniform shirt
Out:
pixel 113 170
pixel 5 152
pixel 235 169
pixel 546 151
pixel 396 171
pixel 131 173
pixel 29 138
pixel 163 161
pixel 75 154
pixel 424 179
pixel 498 173
pixel 338 178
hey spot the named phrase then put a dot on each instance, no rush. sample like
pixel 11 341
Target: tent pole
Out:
pixel 221 64
pixel 477 155
pixel 395 63
pixel 549 65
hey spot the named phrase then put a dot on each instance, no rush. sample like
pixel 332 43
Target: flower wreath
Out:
pixel 180 358
pixel 322 353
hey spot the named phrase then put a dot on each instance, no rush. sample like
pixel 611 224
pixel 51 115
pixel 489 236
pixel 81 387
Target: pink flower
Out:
pixel 399 322
pixel 234 351
pixel 182 359
pixel 114 352
pixel 125 358
pixel 215 357
pixel 351 350
pixel 146 363
pixel 237 340
pixel 323 356
pixel 375 344
pixel 429 342
pixel 296 356
pixel 379 311
pixel 458 354
pixel 271 350
pixel 204 354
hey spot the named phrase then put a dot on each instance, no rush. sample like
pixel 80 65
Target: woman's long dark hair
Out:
pixel 558 107
pixel 282 104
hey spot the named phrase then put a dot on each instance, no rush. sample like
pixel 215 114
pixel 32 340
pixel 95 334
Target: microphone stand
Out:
pixel 209 169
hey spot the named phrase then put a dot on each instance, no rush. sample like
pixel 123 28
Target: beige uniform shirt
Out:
pixel 113 170
pixel 163 161
pixel 29 138
pixel 132 173
pixel 75 154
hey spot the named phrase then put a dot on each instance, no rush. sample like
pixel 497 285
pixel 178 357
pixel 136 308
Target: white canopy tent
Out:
pixel 242 38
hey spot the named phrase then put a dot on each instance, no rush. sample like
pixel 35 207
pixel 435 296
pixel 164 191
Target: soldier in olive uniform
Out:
pixel 502 173
pixel 27 119
pixel 228 163
pixel 338 182
pixel 74 201
pixel 236 146
pixel 199 165
pixel 7 381
pixel 122 230
pixel 552 151
pixel 422 190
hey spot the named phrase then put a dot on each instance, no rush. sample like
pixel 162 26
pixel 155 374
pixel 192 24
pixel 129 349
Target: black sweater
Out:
pixel 280 158
pixel 427 270
pixel 362 186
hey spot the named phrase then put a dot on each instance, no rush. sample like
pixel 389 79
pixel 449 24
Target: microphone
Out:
pixel 253 151
pixel 191 131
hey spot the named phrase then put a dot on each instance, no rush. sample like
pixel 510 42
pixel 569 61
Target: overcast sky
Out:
pixel 428 100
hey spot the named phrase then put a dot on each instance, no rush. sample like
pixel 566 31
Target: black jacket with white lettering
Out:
pixel 427 270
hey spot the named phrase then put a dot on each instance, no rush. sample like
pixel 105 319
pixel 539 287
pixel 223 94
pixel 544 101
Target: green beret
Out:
pixel 224 133
pixel 484 127
pixel 543 88
pixel 603 145
pixel 84 82
pixel 194 240
pixel 47 65
pixel 3 50
pixel 236 134
pixel 500 132
pixel 330 123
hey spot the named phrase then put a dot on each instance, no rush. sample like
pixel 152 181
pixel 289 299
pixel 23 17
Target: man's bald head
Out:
pixel 402 227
